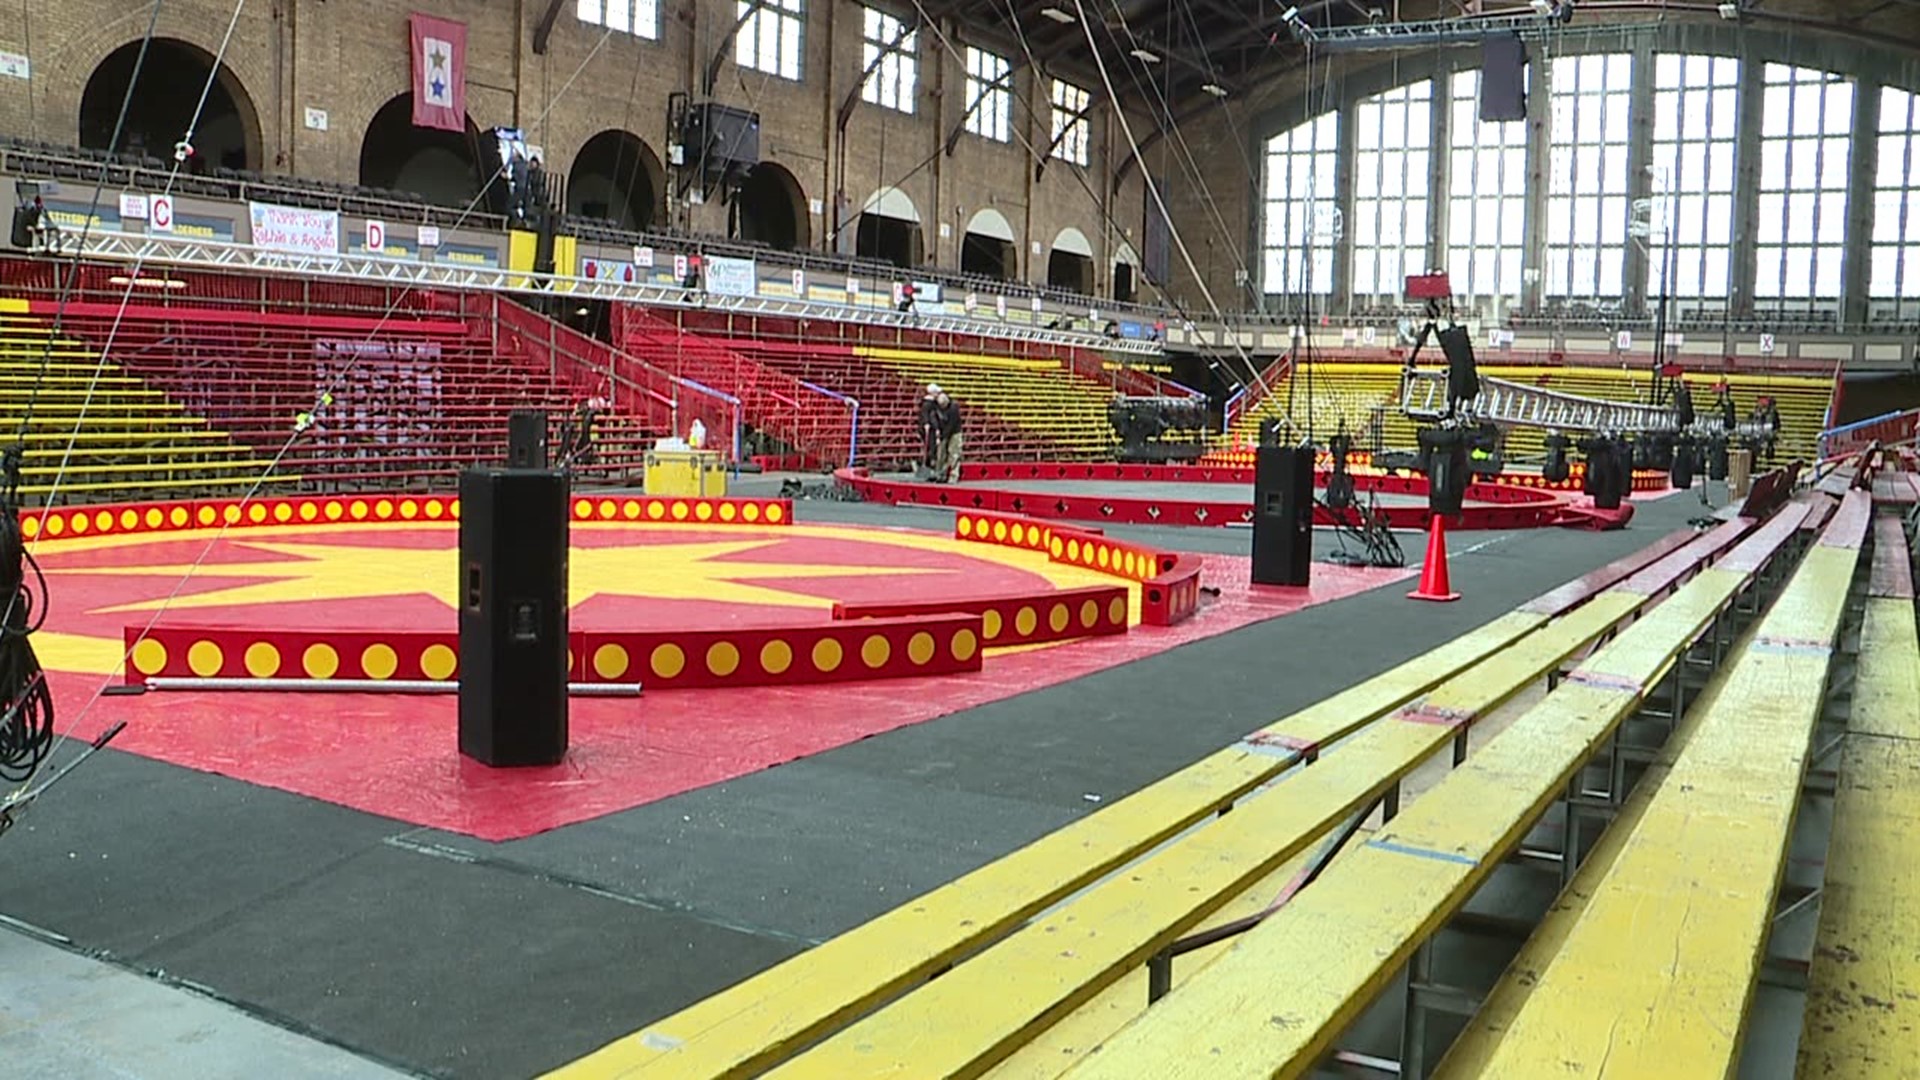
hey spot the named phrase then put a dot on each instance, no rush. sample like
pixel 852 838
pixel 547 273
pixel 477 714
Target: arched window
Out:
pixel 1806 133
pixel 1895 271
pixel 1392 175
pixel 1486 198
pixel 1689 216
pixel 1302 216
pixel 1586 236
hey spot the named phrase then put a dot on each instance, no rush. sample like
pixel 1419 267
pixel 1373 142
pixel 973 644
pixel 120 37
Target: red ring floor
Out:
pixel 395 755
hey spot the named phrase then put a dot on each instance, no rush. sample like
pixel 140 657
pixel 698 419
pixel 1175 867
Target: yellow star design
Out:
pixel 690 571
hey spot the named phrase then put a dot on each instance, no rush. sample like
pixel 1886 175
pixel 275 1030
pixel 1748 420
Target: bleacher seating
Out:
pixel 1043 963
pixel 1045 398
pixel 212 398
pixel 92 430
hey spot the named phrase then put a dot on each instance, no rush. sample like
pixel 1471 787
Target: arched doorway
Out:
pixel 439 166
pixel 889 229
pixel 1126 274
pixel 1070 265
pixel 617 178
pixel 171 79
pixel 987 247
pixel 771 209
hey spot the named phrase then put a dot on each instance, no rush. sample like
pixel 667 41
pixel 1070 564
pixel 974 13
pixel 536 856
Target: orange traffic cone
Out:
pixel 1433 572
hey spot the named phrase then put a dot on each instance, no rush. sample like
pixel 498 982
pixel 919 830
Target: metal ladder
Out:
pixel 1423 395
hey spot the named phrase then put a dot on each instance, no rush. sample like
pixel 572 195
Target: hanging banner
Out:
pixel 731 277
pixel 439 73
pixel 294 229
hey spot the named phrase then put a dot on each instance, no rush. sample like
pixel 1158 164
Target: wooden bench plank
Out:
pixel 1863 991
pixel 1656 979
pixel 1468 1055
pixel 766 1018
pixel 1344 939
pixel 1864 986
pixel 973 1016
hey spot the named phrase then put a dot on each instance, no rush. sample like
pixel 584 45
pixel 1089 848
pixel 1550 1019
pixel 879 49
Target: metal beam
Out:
pixel 847 104
pixel 725 45
pixel 543 30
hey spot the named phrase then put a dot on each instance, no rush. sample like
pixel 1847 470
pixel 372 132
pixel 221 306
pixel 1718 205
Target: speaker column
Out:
pixel 1282 515
pixel 513 616
pixel 526 439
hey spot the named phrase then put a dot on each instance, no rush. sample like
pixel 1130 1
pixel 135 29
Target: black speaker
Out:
pixel 513 616
pixel 1282 515
pixel 526 439
pixel 1503 79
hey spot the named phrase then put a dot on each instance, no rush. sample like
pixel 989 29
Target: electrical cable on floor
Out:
pixel 26 724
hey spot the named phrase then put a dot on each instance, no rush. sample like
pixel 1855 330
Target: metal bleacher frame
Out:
pixel 214 254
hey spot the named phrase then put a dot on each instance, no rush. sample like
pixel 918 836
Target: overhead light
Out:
pixel 1057 15
pixel 1541 7
pixel 1729 11
pixel 146 282
pixel 1145 57
pixel 1213 88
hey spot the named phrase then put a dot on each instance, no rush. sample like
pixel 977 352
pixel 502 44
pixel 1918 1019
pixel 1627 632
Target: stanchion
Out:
pixel 1434 582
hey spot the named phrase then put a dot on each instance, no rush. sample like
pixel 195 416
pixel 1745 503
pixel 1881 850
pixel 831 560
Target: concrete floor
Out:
pixel 312 928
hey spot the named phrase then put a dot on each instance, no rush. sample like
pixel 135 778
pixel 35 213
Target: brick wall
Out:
pixel 349 57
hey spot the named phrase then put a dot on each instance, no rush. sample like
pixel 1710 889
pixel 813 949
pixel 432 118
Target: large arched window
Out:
pixel 1486 198
pixel 1895 273
pixel 1302 216
pixel 1393 135
pixel 1586 237
pixel 1689 218
pixel 1806 131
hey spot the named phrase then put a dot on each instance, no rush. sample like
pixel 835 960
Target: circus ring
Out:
pixel 756 639
pixel 1222 495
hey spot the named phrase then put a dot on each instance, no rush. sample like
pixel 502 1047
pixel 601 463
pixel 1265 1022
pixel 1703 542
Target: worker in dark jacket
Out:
pixel 947 422
pixel 929 428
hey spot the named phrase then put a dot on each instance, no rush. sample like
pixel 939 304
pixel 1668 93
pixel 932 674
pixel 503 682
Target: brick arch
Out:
pixel 163 104
pixel 61 73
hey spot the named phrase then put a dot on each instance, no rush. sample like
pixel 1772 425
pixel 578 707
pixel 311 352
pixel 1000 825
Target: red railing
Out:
pixel 1887 429
pixel 820 425
pixel 658 398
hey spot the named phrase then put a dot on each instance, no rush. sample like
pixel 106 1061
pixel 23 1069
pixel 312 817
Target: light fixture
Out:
pixel 1730 11
pixel 146 282
pixel 1213 88
pixel 1145 57
pixel 1057 15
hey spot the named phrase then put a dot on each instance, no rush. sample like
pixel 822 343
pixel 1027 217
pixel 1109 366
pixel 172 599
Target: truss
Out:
pixel 1423 396
pixel 1387 36
pixel 212 254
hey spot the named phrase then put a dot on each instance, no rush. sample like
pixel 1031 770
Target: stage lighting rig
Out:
pixel 1376 36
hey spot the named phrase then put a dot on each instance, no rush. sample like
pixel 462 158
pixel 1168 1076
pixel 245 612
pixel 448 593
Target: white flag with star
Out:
pixel 439 73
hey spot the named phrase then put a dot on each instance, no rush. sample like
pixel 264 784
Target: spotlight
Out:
pixel 1145 57
pixel 1057 15
pixel 1213 88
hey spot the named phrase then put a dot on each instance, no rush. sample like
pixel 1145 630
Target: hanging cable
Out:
pixel 1255 375
pixel 26 702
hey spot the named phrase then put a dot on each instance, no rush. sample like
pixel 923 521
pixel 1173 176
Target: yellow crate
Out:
pixel 699 473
